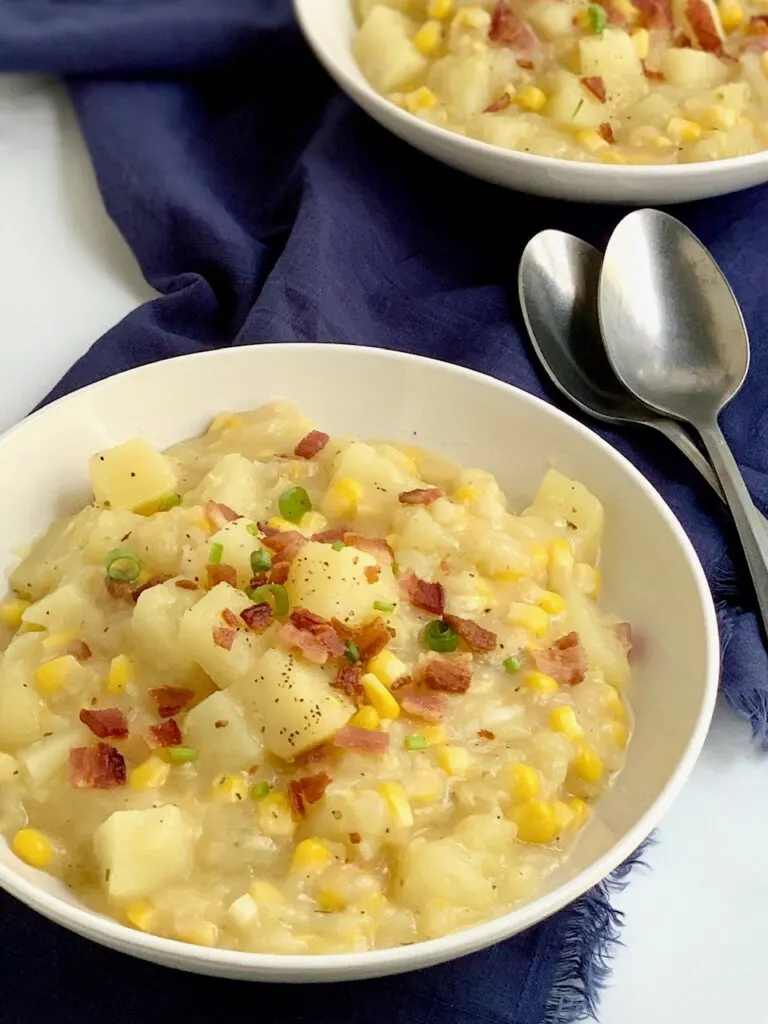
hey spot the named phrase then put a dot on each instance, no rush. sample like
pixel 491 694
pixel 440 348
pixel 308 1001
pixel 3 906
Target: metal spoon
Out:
pixel 557 282
pixel 676 338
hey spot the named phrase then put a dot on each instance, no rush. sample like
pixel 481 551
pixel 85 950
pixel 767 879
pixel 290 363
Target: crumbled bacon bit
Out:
pixel 355 838
pixel 120 591
pixel 486 734
pixel 704 26
pixel 376 546
pixel 186 585
pixel 316 641
pixel 224 637
pixel 758 25
pixel 279 572
pixel 98 767
pixel 347 681
pixel 221 574
pixel 352 738
pixel 153 581
pixel 285 543
pixel 682 42
pixel 79 650
pixel 596 86
pixel 170 700
pixel 220 514
pixel 319 628
pixel 498 105
pixel 401 682
pixel 623 631
pixel 297 800
pixel 526 65
pixel 509 29
pixel 371 638
pixel 565 660
pixel 606 132
pixel 220 723
pixel 229 618
pixel 429 706
pixel 372 572
pixel 430 597
pixel 651 73
pixel 657 13
pixel 167 734
pixel 314 786
pixel 477 638
pixel 258 617
pixel 105 722
pixel 330 536
pixel 449 674
pixel 421 496
pixel 311 445
pixel 757 45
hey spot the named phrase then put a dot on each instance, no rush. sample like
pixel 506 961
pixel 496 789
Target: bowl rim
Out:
pixel 291 967
pixel 361 87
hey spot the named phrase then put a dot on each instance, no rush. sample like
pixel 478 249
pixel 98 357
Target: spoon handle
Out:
pixel 748 520
pixel 679 436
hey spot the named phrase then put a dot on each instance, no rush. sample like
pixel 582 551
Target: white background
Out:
pixel 696 932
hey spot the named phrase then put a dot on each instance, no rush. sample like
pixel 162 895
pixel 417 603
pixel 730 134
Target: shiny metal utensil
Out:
pixel 557 283
pixel 676 338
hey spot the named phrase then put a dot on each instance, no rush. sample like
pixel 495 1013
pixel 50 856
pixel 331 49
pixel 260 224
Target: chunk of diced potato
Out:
pixel 141 852
pixel 196 636
pixel 571 104
pixel 610 53
pixel 559 497
pixel 66 608
pixel 49 755
pixel 217 728
pixel 443 869
pixel 500 130
pixel 333 583
pixel 233 481
pixel 384 50
pixel 693 68
pixel 46 563
pixel 292 698
pixel 552 20
pixel 604 651
pixel 155 623
pixel 237 546
pixel 465 84
pixel 22 713
pixel 380 477
pixel 131 475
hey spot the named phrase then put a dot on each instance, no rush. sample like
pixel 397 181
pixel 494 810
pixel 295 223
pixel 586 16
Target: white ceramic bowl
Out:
pixel 329 28
pixel 652 578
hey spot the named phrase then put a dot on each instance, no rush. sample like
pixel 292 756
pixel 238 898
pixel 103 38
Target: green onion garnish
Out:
pixel 182 755
pixel 338 545
pixel 352 652
pixel 253 529
pixel 294 503
pixel 439 636
pixel 261 560
pixel 260 790
pixel 577 108
pixel 275 593
pixel 122 565
pixel 384 606
pixel 598 19
pixel 415 742
pixel 217 550
pixel 512 664
pixel 395 569
pixel 169 502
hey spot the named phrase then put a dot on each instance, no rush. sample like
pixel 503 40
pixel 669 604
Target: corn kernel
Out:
pixel 539 558
pixel 419 100
pixel 329 901
pixel 453 760
pixel 528 616
pixel 275 818
pixel 590 140
pixel 377 693
pixel 560 565
pixel 580 811
pixel 52 675
pixel 588 764
pixel 278 523
pixel 681 130
pixel 627 9
pixel 521 782
pixel 641 43
pixel 440 9
pixel 581 19
pixel 311 855
pixel 224 421
pixel 425 788
pixel 201 933
pixel 119 675
pixel 536 821
pixel 265 892
pixel 718 117
pixel 396 797
pixel 434 734
pixel 151 774
pixel 611 156
pixel 387 668
pixel 618 734
pixel 344 496
pixel 508 575
pixel 57 641
pixel 229 789
pixel 563 720
pixel 551 602
pixel 12 611
pixel 313 522
pixel 465 494
pixel 614 703
pixel 366 718
pixel 428 38
pixel 540 682
pixel 531 98
pixel 731 14
pixel 587 579
pixel 32 847
pixel 141 915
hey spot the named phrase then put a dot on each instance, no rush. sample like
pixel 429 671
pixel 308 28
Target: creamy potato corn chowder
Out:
pixel 278 692
pixel 623 81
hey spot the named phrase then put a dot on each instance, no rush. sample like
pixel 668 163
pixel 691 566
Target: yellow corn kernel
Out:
pixel 540 682
pixel 641 43
pixel 11 612
pixel 587 579
pixel 588 764
pixel 539 558
pixel 618 734
pixel 119 675
pixel 627 9
pixel 611 156
pixel 224 421
pixel 434 734
pixel 679 129
pixel 343 497
pixel 465 494
pixel 141 915
pixel 508 575
pixel 731 14
pixel 313 522
pixel 278 523
pixel 229 789
pixel 563 720
pixel 366 718
pixel 387 668
pixel 419 100
pixel 397 799
pixel 329 901
pixel 265 892
pixel 453 760
pixel 528 616
pixel 590 140
pixel 31 846
pixel 718 116
pixel 275 818
pixel 428 38
pixel 581 19
pixel 560 565
pixel 374 904
pixel 551 602
pixel 201 933
pixel 521 781
pixel 612 700
pixel 151 774
pixel 52 675
pixel 425 788
pixel 311 855
pixel 377 693
pixel 580 811
pixel 536 821
pixel 531 98
pixel 440 9
pixel 57 641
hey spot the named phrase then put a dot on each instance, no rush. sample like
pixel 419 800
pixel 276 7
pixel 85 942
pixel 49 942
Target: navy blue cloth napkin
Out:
pixel 263 205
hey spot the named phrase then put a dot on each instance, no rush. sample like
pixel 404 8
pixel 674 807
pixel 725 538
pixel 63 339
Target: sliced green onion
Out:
pixel 577 108
pixel 384 606
pixel 261 560
pixel 217 550
pixel 338 545
pixel 598 18
pixel 275 593
pixel 395 569
pixel 512 664
pixel 294 503
pixel 253 529
pixel 352 652
pixel 260 790
pixel 439 636
pixel 182 755
pixel 122 565
pixel 415 742
pixel 169 502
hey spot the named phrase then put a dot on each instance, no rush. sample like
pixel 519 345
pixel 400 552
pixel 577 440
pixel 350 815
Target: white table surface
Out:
pixel 696 931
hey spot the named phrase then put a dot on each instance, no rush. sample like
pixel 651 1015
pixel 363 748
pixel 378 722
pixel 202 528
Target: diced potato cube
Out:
pixel 465 84
pixel 571 104
pixel 217 728
pixel 234 481
pixel 334 584
pixel 559 497
pixel 380 477
pixel 551 20
pixel 609 54
pixel 22 713
pixel 196 637
pixel 384 50
pixel 237 545
pixel 693 68
pixel 443 869
pixel 131 475
pixel 49 755
pixel 43 568
pixel 66 608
